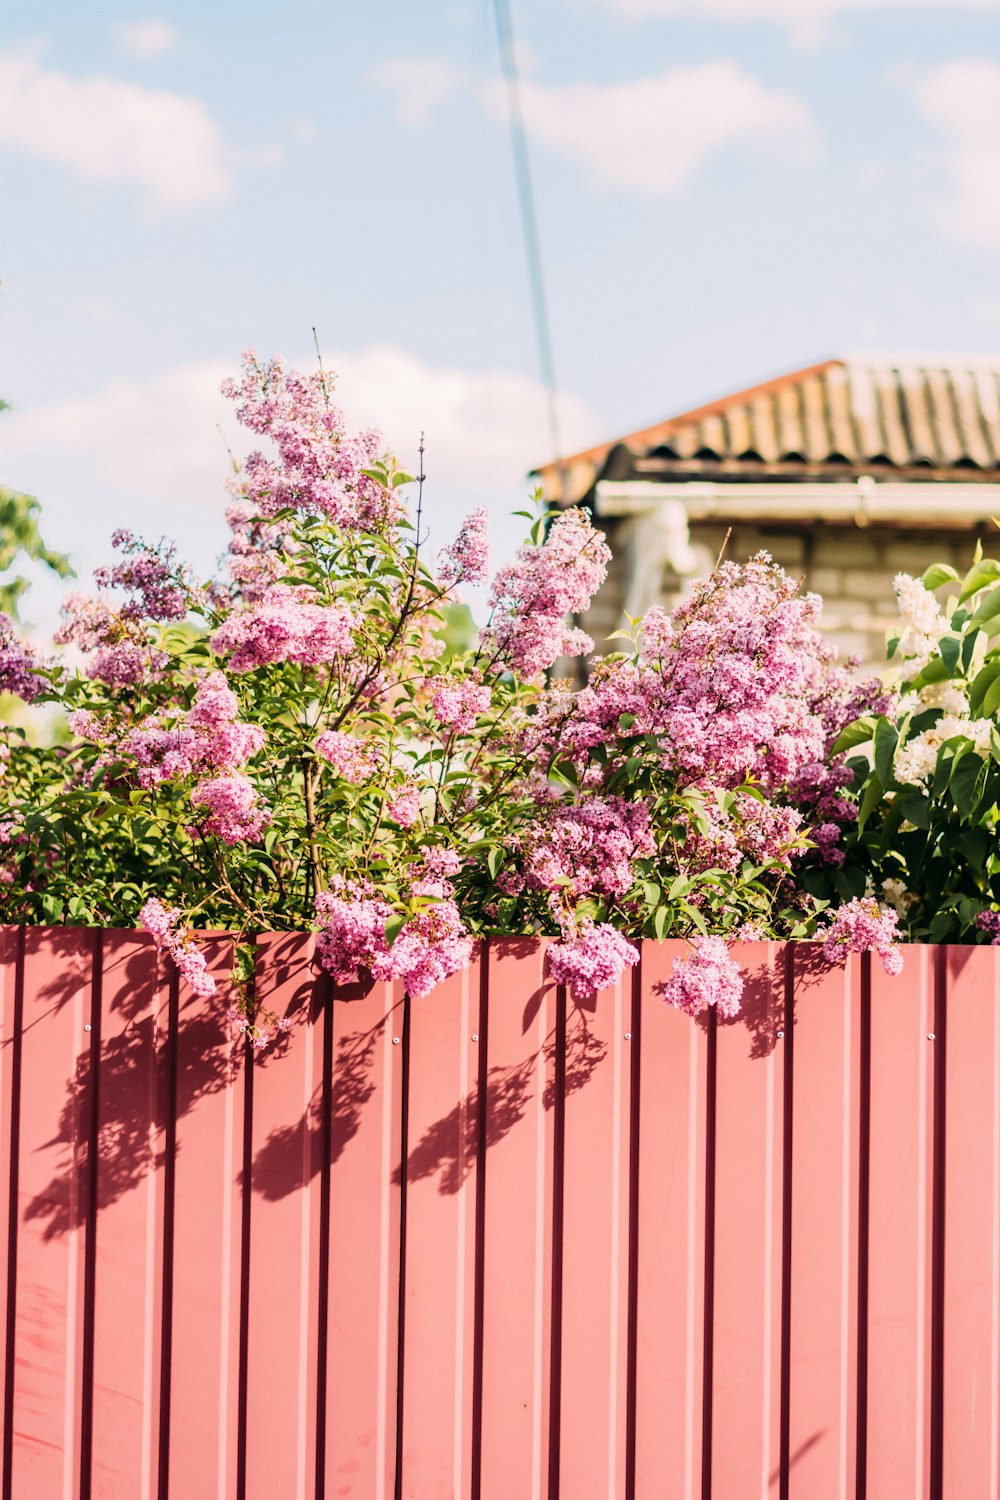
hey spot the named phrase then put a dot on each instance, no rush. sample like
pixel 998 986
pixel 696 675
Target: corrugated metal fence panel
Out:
pixel 493 1243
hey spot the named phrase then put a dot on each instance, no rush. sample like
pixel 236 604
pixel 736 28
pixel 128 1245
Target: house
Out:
pixel 848 472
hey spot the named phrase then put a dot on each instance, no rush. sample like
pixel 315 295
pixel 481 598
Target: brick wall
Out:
pixel 851 567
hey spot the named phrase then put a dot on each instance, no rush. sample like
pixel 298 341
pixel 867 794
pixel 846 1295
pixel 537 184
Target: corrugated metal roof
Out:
pixel 922 417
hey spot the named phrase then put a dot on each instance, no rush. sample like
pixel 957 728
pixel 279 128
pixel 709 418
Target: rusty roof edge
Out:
pixel 600 451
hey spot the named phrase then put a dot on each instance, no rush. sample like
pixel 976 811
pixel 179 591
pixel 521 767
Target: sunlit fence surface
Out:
pixel 492 1243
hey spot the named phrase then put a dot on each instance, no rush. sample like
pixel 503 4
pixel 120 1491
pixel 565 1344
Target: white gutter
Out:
pixel 862 501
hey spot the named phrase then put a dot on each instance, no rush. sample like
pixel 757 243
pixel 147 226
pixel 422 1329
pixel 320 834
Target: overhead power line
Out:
pixel 529 219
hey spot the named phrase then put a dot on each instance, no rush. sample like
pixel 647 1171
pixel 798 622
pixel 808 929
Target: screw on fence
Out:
pixel 628 1036
pixel 475 1036
pixel 395 1041
pixel 930 1036
pixel 781 1031
pixel 88 1027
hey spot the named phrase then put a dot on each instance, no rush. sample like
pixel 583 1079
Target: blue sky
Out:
pixel 726 189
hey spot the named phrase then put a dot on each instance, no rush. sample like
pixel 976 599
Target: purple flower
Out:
pixel 860 926
pixel 594 959
pixel 708 977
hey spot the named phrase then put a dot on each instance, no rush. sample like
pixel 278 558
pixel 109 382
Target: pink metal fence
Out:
pixel 492 1243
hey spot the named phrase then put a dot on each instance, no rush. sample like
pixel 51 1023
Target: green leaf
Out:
pixel 991 701
pixel 885 739
pixel 989 609
pixel 950 648
pixel 914 808
pixel 661 917
pixel 964 776
pixel 393 928
pixel 874 792
pixel 978 576
pixel 858 733
pixel 937 574
pixel 494 861
pixel 935 671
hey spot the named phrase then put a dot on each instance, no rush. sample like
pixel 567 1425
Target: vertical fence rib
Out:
pixel 442 1166
pixel 212 1102
pixel 325 1001
pixel 708 1333
pixel 11 1028
pixel 480 1225
pixel 635 1116
pixel 864 1210
pixel 939 1126
pixel 517 1123
pixel 558 1225
pixel 367 1158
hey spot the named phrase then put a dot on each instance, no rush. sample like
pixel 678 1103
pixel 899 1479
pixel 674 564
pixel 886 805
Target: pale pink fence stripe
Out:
pixel 595 1243
pixel 203 1429
pixel 54 1187
pixel 132 1110
pixel 748 1183
pixel 825 1041
pixel 442 1141
pixel 971 1373
pixel 517 1244
pixel 670 1292
pixel 900 1209
pixel 365 1135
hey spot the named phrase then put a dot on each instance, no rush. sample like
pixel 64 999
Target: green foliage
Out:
pixel 926 778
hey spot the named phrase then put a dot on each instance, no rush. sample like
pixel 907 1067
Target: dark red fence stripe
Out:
pixel 494 1242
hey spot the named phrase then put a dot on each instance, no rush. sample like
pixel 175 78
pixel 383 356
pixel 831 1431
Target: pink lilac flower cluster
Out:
pixel 235 811
pixel 819 786
pixel 754 829
pixel 319 468
pixel 259 552
pixel 457 705
pixel 122 653
pixel 208 738
pixel 431 946
pixel 150 575
pixel 819 789
pixel 467 559
pixel 18 664
pixel 12 840
pixel 989 922
pixel 860 926
pixel 531 598
pixel 707 977
pixel 260 1029
pixel 162 922
pixel 726 687
pixel 404 807
pixel 591 959
pixel 589 849
pixel 352 758
pixel 285 624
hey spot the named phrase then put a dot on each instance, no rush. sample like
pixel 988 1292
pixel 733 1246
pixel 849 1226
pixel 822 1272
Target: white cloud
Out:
pixel 146 39
pixel 650 134
pixel 808 20
pixel 653 134
pixel 160 437
pixel 148 454
pixel 962 99
pixel 108 131
pixel 419 85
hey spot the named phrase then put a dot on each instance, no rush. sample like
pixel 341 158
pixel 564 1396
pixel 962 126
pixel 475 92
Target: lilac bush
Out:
pixel 292 744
